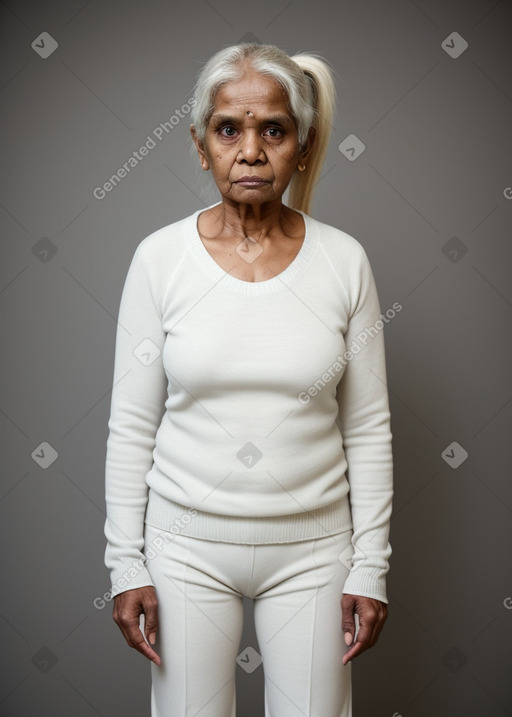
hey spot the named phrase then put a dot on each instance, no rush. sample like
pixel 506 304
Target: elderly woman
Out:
pixel 249 450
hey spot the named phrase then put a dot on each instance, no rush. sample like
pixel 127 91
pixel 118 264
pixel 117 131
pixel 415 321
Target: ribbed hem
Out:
pixel 165 514
pixel 369 582
pixel 129 577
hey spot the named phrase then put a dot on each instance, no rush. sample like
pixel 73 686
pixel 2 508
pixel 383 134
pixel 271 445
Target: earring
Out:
pixel 301 167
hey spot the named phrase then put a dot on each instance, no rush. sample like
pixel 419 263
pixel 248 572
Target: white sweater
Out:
pixel 245 412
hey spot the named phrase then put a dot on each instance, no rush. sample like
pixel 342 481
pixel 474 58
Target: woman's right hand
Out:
pixel 128 607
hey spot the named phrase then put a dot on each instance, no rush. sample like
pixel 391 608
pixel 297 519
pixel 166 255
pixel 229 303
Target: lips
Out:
pixel 251 179
pixel 253 182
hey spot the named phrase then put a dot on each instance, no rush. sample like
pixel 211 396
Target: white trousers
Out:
pixel 297 589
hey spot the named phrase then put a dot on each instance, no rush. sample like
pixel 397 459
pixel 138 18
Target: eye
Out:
pixel 277 130
pixel 227 127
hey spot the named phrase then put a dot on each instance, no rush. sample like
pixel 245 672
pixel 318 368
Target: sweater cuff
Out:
pixel 129 576
pixel 367 583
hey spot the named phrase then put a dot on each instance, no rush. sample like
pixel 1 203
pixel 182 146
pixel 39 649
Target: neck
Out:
pixel 254 220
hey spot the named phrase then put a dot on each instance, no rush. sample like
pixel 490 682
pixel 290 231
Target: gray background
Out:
pixel 429 199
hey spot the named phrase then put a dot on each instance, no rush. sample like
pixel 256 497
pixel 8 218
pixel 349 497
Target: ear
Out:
pixel 205 164
pixel 309 144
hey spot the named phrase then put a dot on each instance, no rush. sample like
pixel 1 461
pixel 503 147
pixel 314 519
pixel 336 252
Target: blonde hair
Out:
pixel 309 84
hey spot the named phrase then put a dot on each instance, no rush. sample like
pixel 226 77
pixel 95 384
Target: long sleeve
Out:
pixel 364 421
pixel 137 406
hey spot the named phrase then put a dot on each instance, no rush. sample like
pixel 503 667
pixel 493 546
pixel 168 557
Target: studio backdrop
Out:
pixel 95 154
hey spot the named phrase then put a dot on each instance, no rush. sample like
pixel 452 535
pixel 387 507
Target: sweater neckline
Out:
pixel 269 286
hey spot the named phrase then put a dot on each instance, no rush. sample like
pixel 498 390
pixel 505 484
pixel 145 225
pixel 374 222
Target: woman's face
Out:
pixel 251 133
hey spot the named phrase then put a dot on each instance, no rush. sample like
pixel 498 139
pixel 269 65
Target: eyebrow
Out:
pixel 274 119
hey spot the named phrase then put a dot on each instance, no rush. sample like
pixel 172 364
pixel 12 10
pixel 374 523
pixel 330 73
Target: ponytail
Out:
pixel 321 78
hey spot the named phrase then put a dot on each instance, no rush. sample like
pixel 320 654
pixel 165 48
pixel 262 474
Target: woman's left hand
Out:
pixel 372 616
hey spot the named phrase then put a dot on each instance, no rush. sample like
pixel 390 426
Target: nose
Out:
pixel 251 147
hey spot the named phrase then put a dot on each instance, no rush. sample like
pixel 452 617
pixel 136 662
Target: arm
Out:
pixel 137 405
pixel 364 422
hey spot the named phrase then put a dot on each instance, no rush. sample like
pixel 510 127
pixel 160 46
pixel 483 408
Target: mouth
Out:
pixel 251 181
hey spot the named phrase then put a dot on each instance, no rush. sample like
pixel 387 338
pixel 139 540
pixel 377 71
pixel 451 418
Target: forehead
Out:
pixel 254 89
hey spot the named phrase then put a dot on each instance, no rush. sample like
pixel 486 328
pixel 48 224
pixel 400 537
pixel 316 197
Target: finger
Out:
pixel 130 627
pixel 355 650
pixel 347 619
pixel 371 624
pixel 140 644
pixel 150 606
pixel 363 640
pixel 373 620
pixel 364 635
pixel 367 629
pixel 376 628
pixel 135 638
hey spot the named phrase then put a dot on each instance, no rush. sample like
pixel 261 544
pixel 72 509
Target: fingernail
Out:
pixel 152 638
pixel 348 638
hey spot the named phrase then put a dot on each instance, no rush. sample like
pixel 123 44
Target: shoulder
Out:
pixel 343 249
pixel 165 243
